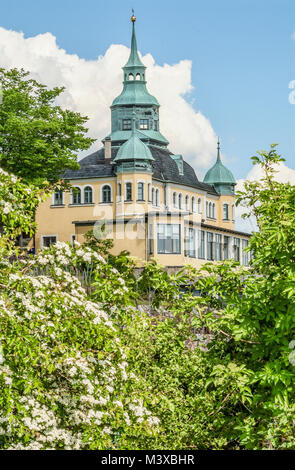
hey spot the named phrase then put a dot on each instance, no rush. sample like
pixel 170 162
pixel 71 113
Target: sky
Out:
pixel 218 68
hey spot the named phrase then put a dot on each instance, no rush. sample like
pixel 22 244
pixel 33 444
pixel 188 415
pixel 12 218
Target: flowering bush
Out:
pixel 64 376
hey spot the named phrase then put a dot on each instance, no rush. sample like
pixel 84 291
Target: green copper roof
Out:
pixel 134 91
pixel 141 134
pixel 219 174
pixel 133 149
pixel 134 60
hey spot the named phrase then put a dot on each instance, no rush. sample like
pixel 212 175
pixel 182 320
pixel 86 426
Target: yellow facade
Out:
pixel 132 225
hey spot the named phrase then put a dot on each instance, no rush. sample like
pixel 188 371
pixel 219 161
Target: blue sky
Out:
pixel 243 57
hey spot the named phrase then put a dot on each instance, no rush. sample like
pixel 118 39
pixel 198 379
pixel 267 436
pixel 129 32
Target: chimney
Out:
pixel 107 148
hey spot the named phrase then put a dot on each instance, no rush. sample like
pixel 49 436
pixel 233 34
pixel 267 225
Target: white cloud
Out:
pixel 283 174
pixel 91 86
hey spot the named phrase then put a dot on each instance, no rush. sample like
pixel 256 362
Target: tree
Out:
pixel 38 139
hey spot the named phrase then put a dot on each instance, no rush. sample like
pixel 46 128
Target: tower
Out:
pixel 220 177
pixel 135 98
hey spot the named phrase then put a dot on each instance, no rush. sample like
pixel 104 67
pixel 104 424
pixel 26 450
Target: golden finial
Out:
pixel 133 18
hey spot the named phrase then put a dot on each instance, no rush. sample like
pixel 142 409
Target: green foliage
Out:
pixel 100 245
pixel 209 371
pixel 38 139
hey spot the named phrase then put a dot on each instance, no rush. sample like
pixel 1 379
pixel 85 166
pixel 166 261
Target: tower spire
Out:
pixel 134 59
pixel 218 151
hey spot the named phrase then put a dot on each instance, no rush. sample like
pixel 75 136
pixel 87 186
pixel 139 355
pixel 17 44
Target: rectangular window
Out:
pixel 149 192
pixel 128 196
pixel 201 248
pixel 151 239
pixel 225 211
pixel 126 124
pixel 168 238
pixel 245 254
pixel 58 198
pixel 210 245
pixel 48 240
pixel 236 248
pixel 140 191
pixel 226 247
pixel 218 247
pixel 143 124
pixel 189 242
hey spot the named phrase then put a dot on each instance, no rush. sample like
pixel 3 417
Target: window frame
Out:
pixel 143 124
pixel 73 202
pixel 92 194
pixel 126 124
pixel 169 239
pixel 201 244
pixel 48 236
pixel 225 211
pixel 102 201
pixel 128 184
pixel 140 184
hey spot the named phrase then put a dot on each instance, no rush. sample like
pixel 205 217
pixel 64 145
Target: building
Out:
pixel 150 200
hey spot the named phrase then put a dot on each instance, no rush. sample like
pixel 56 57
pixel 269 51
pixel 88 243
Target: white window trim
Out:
pixel 199 205
pixel 156 191
pixel 125 191
pixel 71 195
pixel 93 194
pixel 63 199
pixel 49 235
pixel 143 182
pixel 180 197
pixel 100 193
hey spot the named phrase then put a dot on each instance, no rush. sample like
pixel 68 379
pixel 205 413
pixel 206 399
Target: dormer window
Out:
pixel 131 76
pixel 138 76
pixel 143 124
pixel 156 125
pixel 126 124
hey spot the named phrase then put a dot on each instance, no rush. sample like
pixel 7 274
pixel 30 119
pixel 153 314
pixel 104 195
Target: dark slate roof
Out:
pixel 164 169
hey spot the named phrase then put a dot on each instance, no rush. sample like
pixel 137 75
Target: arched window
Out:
pixel 193 204
pixel 200 205
pixel 174 200
pixel 76 195
pixel 186 203
pixel 233 212
pixel 131 76
pixel 157 197
pixel 58 198
pixel 138 76
pixel 210 210
pixel 180 201
pixel 106 193
pixel 88 195
pixel 119 192
pixel 213 211
pixel 153 196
